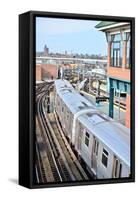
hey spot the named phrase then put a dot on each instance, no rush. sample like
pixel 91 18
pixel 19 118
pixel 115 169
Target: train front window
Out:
pixel 105 157
pixel 87 136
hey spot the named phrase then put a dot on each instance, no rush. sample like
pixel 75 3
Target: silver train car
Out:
pixel 102 143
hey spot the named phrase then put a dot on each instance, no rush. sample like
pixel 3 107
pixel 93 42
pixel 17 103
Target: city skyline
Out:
pixel 72 36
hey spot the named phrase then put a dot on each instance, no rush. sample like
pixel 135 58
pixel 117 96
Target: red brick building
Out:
pixel 38 73
pixel 119 62
pixel 48 71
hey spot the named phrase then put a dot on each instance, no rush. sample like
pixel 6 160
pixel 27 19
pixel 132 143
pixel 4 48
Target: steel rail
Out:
pixel 49 145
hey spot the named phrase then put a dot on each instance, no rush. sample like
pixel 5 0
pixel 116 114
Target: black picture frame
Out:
pixel 27 96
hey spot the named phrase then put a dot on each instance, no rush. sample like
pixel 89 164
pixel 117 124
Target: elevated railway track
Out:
pixel 54 161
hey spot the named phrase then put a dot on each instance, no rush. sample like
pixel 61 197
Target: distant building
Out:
pixel 66 53
pixel 119 62
pixel 46 50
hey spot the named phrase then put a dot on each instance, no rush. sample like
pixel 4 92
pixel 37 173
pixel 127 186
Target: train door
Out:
pixel 117 168
pixel 80 133
pixel 95 153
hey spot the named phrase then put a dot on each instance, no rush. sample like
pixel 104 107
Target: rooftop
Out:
pixel 104 23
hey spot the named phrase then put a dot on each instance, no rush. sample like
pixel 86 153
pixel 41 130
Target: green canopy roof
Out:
pixel 104 24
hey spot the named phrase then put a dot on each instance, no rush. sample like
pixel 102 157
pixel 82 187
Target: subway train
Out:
pixel 102 143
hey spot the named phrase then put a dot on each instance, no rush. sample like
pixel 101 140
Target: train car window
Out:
pixel 117 168
pixel 105 157
pixel 96 145
pixel 87 136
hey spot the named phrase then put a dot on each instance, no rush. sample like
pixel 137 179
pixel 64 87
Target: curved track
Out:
pixel 52 163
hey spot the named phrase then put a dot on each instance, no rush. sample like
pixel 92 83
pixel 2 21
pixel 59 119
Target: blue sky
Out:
pixel 76 36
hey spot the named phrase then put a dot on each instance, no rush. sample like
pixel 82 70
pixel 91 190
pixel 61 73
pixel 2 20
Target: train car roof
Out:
pixel 71 97
pixel 113 134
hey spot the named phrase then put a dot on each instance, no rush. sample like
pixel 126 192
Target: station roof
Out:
pixel 104 24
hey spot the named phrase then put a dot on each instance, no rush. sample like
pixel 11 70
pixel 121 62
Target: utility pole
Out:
pixel 83 73
pixel 97 86
pixel 48 103
pixel 78 75
pixel 89 82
